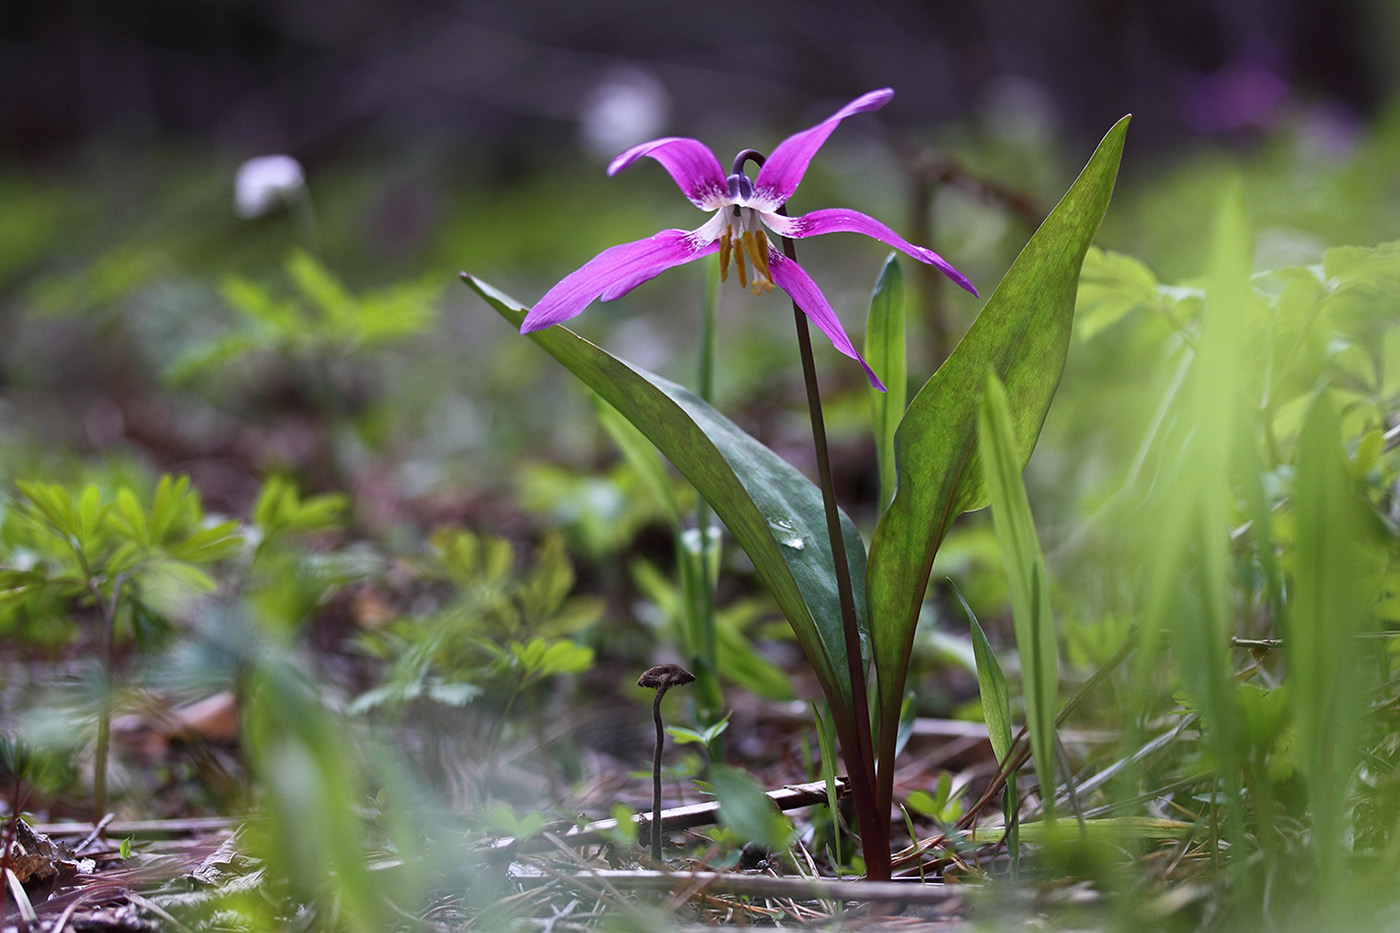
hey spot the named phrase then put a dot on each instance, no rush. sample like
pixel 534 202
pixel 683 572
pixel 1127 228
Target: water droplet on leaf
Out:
pixel 786 533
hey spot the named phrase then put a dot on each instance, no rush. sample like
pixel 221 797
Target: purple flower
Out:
pixel 742 209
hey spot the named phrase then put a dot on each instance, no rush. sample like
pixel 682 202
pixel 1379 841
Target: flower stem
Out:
pixel 860 752
pixel 708 692
pixel 874 831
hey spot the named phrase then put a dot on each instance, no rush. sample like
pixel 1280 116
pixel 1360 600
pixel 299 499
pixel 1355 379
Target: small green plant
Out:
pixel 29 770
pixel 703 737
pixel 312 343
pixel 281 513
pixel 131 565
pixel 313 774
pixel 941 806
pixel 321 322
pixel 497 632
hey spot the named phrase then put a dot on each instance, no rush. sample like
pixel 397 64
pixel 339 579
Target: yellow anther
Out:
pixel 757 250
pixel 724 247
pixel 761 258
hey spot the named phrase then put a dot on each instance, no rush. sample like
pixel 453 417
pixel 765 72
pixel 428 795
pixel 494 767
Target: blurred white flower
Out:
pixel 266 181
pixel 626 107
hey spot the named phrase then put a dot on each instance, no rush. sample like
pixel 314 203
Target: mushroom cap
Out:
pixel 664 676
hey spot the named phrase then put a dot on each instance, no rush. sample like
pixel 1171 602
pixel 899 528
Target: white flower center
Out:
pixel 743 237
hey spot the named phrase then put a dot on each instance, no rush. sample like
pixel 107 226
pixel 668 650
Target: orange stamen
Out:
pixel 742 268
pixel 758 252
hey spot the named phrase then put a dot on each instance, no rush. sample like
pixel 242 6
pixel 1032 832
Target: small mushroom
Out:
pixel 660 678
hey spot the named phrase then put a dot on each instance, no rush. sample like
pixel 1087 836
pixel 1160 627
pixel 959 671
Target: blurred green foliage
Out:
pixel 321 322
pixel 497 632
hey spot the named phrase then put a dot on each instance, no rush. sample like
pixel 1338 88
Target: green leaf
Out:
pixel 280 508
pixel 540 658
pixel 941 805
pixel 1023 335
pixel 210 357
pixel 397 312
pixel 257 303
pixel 991 685
pixel 1112 286
pixel 18 585
pixel 772 510
pixel 1335 570
pixel 53 505
pixel 748 812
pixel 276 492
pixel 130 519
pixel 151 630
pixel 1026 579
pixel 208 544
pixel 826 742
pixel 90 513
pixel 742 664
pixel 172 498
pixel 685 735
pixel 885 352
pixel 1189 512
pixel 317 284
pixel 1116 829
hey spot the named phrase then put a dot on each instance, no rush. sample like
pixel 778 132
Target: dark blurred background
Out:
pixel 446 135
pixel 313 78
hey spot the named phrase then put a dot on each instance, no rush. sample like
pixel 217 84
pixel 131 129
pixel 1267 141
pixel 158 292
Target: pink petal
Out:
pixel 615 272
pixel 780 175
pixel 691 164
pixel 792 279
pixel 840 220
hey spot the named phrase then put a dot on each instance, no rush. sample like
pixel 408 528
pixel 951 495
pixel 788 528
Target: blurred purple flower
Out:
pixel 742 209
pixel 1240 98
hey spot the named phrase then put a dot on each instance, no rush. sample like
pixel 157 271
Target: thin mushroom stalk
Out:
pixel 660 678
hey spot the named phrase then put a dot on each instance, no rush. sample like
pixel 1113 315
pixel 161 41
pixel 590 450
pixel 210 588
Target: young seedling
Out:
pixel 660 678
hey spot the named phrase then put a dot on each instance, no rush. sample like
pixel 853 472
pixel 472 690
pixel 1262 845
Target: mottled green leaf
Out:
pixel 773 511
pixel 1022 334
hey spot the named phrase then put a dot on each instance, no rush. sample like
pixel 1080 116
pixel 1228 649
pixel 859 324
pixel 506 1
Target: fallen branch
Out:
pixel 142 828
pixel 742 885
pixel 792 797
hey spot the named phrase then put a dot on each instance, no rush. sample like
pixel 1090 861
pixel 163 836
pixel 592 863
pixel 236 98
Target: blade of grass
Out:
pixel 1332 587
pixel 885 352
pixel 1026 579
pixel 996 711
